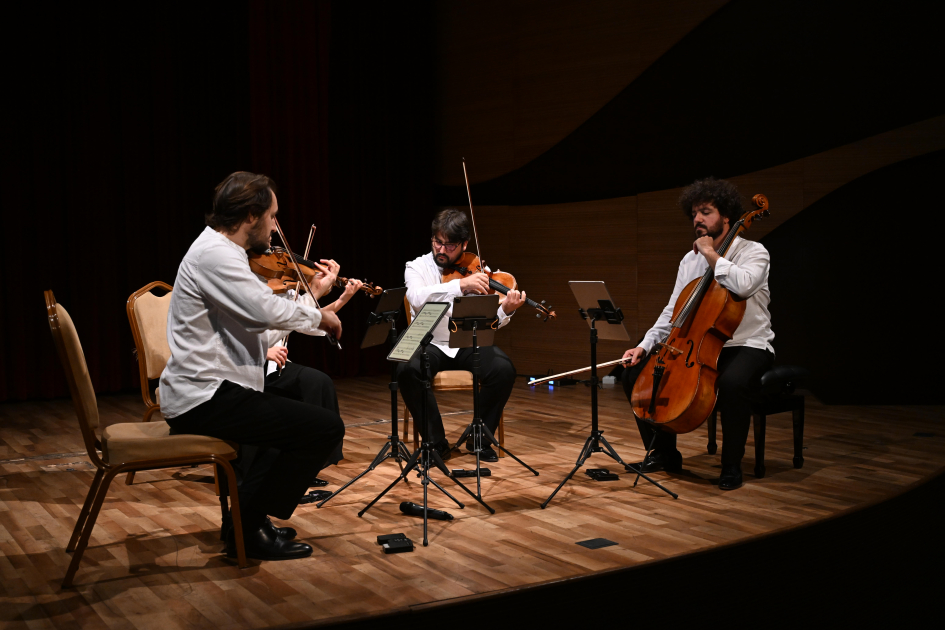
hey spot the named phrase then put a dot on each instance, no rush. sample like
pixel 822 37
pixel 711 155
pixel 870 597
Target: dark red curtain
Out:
pixel 119 123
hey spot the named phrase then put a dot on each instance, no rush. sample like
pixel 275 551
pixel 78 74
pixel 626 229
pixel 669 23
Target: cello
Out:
pixel 679 393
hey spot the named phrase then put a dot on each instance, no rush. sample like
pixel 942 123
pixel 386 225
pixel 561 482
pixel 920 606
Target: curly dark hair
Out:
pixel 239 197
pixel 451 223
pixel 721 193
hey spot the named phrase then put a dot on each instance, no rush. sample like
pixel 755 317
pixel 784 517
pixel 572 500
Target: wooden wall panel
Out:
pixel 635 244
pixel 514 78
pixel 545 247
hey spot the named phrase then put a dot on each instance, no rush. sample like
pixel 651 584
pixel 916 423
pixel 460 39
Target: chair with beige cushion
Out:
pixel 147 315
pixel 125 447
pixel 448 380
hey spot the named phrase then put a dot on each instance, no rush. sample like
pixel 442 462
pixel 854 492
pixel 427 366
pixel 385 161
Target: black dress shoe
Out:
pixel 318 483
pixel 731 477
pixel 670 462
pixel 314 496
pixel 487 454
pixel 280 532
pixel 262 545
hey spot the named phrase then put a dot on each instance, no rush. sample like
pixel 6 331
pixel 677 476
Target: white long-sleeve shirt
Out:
pixel 424 280
pixel 217 324
pixel 744 272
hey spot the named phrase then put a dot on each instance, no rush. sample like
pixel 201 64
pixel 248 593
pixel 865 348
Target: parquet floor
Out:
pixel 154 560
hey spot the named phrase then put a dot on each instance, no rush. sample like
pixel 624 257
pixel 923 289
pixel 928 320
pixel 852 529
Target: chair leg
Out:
pixel 798 420
pixel 216 482
pixel 84 512
pixel 87 530
pixel 130 478
pixel 230 482
pixel 760 421
pixel 712 447
pixel 501 436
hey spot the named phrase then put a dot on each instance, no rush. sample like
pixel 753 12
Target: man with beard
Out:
pixel 424 280
pixel 214 380
pixel 714 206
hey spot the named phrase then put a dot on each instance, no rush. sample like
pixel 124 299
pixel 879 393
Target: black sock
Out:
pixel 252 518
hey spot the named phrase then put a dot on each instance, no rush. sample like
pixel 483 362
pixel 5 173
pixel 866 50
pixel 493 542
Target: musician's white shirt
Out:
pixel 424 280
pixel 217 323
pixel 744 272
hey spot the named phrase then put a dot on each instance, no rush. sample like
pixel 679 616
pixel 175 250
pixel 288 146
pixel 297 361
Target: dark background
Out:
pixel 118 122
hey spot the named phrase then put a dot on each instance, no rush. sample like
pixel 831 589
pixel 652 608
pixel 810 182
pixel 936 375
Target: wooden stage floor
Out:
pixel 155 561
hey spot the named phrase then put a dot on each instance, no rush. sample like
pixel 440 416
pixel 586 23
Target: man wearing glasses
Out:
pixel 424 280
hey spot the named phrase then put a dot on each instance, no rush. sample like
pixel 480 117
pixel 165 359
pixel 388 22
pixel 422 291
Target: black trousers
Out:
pixel 740 372
pixel 496 379
pixel 304 435
pixel 308 385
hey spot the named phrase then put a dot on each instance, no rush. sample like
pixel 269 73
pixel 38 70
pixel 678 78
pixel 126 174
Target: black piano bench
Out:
pixel 777 396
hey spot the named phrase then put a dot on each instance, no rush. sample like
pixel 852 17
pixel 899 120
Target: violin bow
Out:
pixel 302 279
pixel 538 381
pixel 472 217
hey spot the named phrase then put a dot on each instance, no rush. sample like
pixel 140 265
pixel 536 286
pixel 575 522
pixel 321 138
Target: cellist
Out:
pixel 713 206
pixel 424 281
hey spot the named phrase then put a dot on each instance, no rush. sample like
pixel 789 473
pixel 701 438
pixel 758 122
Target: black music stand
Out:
pixel 473 325
pixel 381 328
pixel 416 338
pixel 596 306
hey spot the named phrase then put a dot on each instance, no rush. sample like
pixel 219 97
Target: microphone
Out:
pixel 412 509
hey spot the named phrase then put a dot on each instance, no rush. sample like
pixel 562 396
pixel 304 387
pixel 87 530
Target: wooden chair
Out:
pixel 777 396
pixel 129 446
pixel 447 380
pixel 147 315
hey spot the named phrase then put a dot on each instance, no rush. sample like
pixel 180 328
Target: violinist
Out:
pixel 424 280
pixel 213 383
pixel 714 205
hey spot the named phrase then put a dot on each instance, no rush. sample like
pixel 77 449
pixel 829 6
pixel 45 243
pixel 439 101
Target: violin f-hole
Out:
pixel 689 364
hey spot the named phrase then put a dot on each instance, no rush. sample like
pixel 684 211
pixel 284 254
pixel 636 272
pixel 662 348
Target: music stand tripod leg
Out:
pixel 641 474
pixel 589 447
pixel 392 449
pixel 495 443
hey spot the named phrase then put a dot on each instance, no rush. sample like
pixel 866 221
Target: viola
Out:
pixel 499 281
pixel 276 266
pixel 679 393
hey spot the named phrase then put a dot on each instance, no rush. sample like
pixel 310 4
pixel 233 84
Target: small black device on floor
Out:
pixel 461 472
pixel 395 543
pixel 601 474
pixel 412 509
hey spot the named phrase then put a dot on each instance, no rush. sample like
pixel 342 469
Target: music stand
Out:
pixel 416 338
pixel 382 327
pixel 473 325
pixel 596 306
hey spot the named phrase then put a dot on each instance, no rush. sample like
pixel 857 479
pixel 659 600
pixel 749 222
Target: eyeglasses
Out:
pixel 447 247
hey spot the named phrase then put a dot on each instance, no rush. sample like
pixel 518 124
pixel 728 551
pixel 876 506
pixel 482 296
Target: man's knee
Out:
pixel 730 388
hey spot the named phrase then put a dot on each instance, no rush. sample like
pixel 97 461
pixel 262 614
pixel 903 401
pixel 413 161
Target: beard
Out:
pixel 259 239
pixel 713 233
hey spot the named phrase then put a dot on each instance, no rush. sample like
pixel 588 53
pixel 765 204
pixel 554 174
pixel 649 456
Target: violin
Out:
pixel 276 266
pixel 499 281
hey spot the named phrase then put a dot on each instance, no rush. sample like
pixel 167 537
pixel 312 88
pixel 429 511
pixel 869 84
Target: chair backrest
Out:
pixel 408 311
pixel 67 343
pixel 147 315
